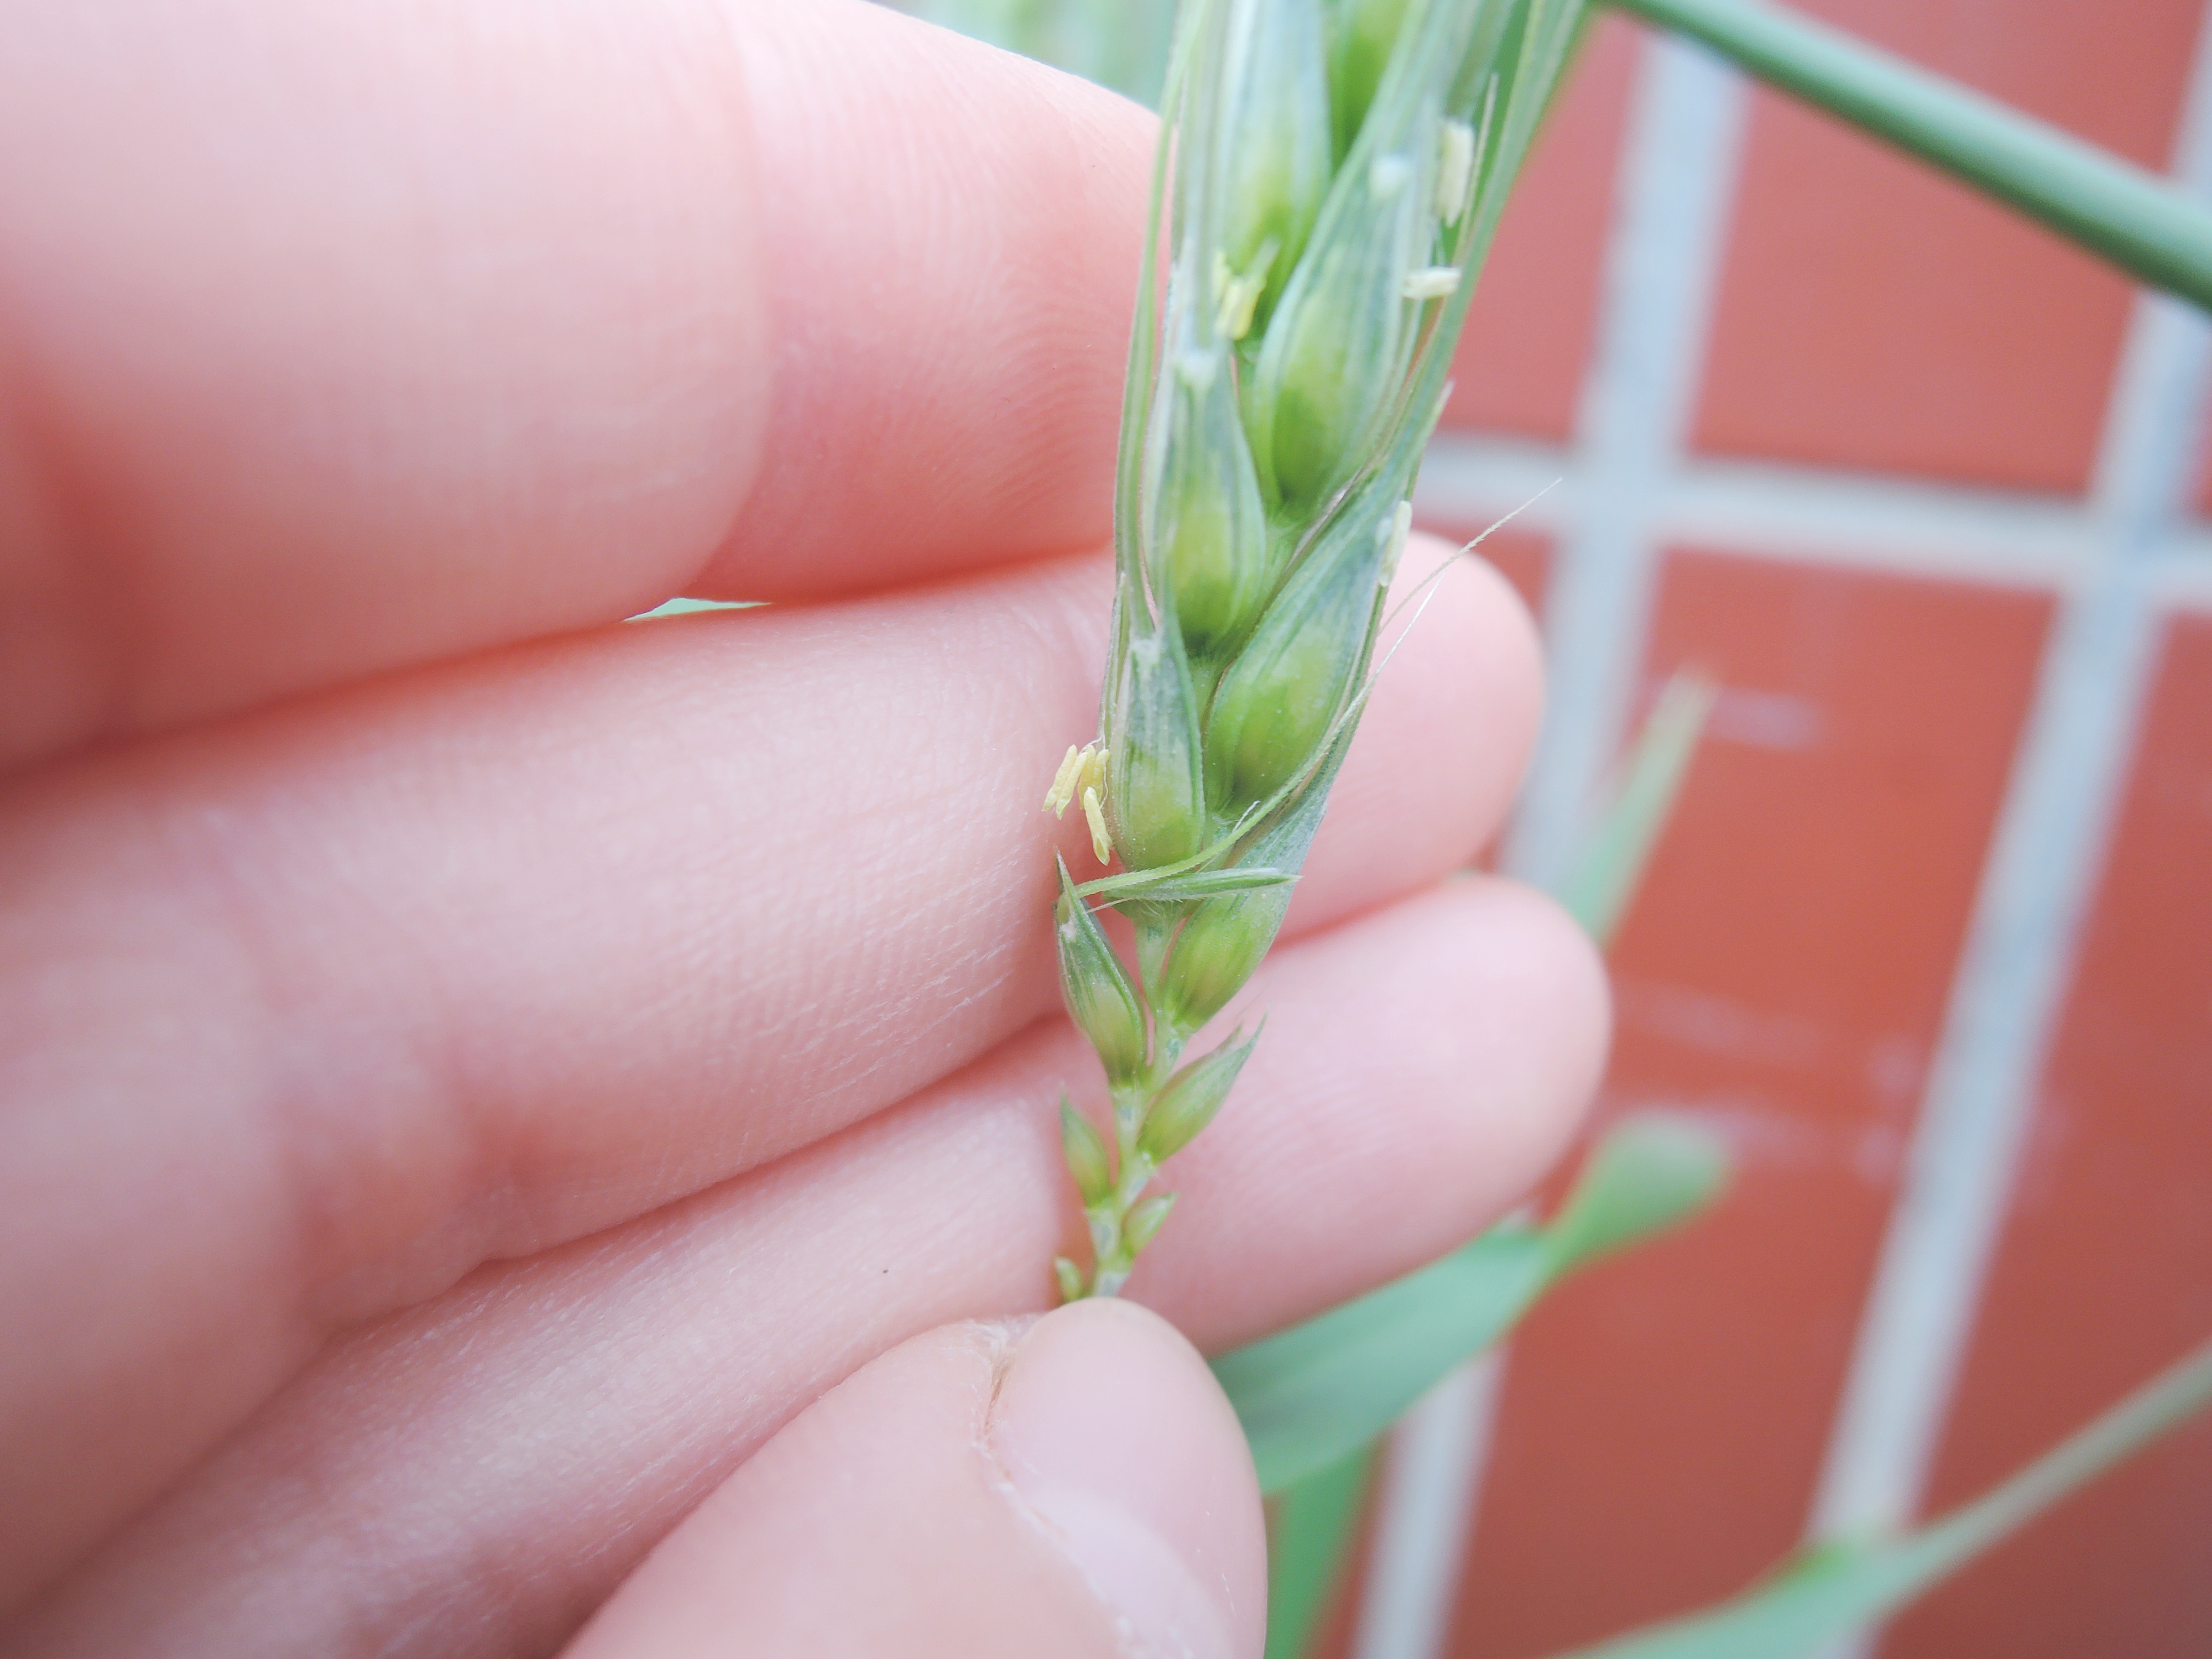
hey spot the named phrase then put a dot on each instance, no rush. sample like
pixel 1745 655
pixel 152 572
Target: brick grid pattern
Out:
pixel 1890 524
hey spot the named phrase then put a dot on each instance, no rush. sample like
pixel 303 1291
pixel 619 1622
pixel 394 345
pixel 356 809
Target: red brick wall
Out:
pixel 1786 970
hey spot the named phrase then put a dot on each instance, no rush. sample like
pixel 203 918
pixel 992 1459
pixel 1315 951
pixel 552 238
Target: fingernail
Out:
pixel 1118 1441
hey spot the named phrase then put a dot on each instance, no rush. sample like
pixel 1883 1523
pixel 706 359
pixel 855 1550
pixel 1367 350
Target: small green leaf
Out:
pixel 1202 883
pixel 1069 1277
pixel 1145 1220
pixel 1278 701
pixel 1313 1395
pixel 1187 1104
pixel 1827 1592
pixel 1096 986
pixel 1155 786
pixel 1606 872
pixel 1080 1143
pixel 1208 546
pixel 1226 936
pixel 687 607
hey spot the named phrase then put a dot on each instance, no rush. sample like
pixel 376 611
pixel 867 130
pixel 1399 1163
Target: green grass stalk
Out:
pixel 2124 213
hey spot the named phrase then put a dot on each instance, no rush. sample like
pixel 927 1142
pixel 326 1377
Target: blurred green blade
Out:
pixel 1597 890
pixel 2163 1404
pixel 1313 1394
pixel 1122 43
pixel 1309 1529
pixel 2114 209
pixel 1829 1591
pixel 686 607
pixel 1827 1594
pixel 1651 1171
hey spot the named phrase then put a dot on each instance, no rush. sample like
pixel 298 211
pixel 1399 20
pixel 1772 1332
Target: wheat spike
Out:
pixel 1333 170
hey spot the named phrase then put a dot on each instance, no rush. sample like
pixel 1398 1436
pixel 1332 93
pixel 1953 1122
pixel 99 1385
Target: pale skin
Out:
pixel 521 1132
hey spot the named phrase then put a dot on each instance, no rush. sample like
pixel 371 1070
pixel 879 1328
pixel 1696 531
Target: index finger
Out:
pixel 339 339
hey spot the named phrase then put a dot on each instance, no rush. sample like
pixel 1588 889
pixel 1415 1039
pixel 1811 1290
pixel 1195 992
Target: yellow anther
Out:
pixel 1198 369
pixel 1431 282
pixel 1238 296
pixel 1392 533
pixel 1238 301
pixel 1091 772
pixel 1454 169
pixel 1063 781
pixel 1095 816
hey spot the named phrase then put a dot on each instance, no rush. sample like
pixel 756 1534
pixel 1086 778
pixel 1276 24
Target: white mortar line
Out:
pixel 1821 516
pixel 2180 579
pixel 1677 180
pixel 1992 536
pixel 1425 1508
pixel 1473 479
pixel 2047 855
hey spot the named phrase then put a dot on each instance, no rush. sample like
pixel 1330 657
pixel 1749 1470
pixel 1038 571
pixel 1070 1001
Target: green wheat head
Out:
pixel 1331 172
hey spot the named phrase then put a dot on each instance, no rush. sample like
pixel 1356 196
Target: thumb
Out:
pixel 1078 1488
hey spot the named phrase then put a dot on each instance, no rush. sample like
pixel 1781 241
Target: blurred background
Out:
pixel 1930 938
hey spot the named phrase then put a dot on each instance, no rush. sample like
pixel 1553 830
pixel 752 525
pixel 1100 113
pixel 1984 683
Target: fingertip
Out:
pixel 953 237
pixel 1547 978
pixel 1117 1438
pixel 1516 638
pixel 1516 986
pixel 1076 1486
pixel 1501 651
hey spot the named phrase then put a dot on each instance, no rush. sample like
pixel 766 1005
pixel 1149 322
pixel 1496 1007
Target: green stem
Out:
pixel 2166 1401
pixel 1828 1591
pixel 1113 1255
pixel 2122 212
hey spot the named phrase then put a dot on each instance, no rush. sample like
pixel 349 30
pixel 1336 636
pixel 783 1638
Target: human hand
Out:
pixel 476 1076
